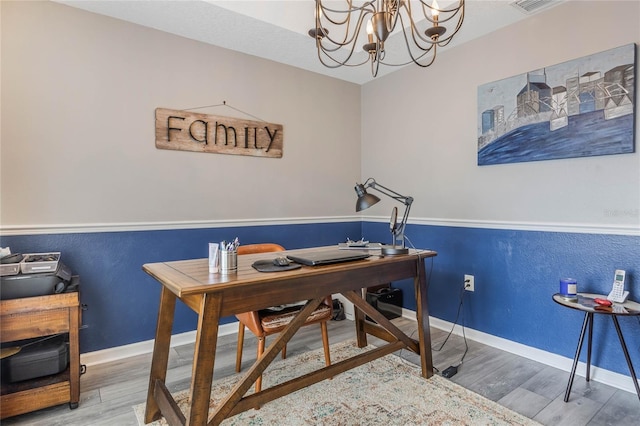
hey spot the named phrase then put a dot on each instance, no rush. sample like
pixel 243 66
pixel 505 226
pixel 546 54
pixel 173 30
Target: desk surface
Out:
pixel 585 303
pixel 186 278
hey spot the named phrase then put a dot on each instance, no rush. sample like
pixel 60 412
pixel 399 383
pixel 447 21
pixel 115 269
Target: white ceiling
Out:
pixel 276 29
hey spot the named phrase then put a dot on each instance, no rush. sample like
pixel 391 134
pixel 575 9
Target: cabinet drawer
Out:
pixel 34 399
pixel 31 324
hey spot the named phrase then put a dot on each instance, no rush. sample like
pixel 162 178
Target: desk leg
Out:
pixel 204 358
pixel 422 314
pixel 361 335
pixel 160 359
pixel 626 354
pixel 588 317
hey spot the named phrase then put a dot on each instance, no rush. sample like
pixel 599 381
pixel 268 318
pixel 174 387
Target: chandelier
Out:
pixel 419 23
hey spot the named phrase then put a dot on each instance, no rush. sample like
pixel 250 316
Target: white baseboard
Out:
pixel 601 375
pixel 146 347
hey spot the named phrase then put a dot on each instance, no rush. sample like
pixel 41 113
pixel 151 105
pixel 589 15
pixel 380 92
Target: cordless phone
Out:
pixel 618 294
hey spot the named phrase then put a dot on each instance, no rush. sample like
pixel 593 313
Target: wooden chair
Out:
pixel 265 322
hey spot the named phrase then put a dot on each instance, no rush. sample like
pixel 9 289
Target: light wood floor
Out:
pixel 110 390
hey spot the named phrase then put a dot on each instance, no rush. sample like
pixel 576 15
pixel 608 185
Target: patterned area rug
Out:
pixel 387 391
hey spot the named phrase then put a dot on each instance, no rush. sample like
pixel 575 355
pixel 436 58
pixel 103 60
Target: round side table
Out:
pixel 585 303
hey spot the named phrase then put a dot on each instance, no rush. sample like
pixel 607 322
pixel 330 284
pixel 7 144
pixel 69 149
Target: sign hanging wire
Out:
pixel 224 104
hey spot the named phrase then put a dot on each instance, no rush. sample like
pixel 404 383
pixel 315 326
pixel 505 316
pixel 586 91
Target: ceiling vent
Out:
pixel 532 6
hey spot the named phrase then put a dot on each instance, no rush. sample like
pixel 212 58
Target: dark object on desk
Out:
pixel 281 261
pixel 271 266
pixel 387 301
pixel 38 359
pixel 328 257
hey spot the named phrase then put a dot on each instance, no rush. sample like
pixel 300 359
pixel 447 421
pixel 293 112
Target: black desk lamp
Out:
pixel 366 200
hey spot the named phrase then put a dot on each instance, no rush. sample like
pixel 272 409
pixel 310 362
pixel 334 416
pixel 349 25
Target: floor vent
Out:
pixel 532 6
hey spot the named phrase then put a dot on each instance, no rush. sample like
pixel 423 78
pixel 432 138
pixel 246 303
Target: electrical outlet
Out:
pixel 468 283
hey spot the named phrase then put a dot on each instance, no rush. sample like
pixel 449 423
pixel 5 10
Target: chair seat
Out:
pixel 274 321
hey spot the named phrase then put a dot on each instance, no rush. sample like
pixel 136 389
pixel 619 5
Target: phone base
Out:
pixel 621 299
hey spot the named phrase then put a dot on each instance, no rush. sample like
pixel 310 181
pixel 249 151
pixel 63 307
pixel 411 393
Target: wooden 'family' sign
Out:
pixel 187 131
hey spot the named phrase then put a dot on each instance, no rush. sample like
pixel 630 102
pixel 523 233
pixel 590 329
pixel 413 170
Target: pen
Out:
pixel 231 246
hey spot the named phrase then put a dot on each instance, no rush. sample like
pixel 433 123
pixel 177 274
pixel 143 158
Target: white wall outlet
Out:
pixel 468 283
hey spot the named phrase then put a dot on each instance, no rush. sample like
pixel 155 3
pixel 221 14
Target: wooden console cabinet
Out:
pixel 34 317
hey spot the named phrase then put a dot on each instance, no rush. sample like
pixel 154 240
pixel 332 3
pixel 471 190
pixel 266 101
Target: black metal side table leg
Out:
pixel 589 346
pixel 626 354
pixel 588 317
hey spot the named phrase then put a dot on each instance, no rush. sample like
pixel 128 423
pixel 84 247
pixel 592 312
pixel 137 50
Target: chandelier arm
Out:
pixel 345 42
pixel 348 39
pixel 418 37
pixel 370 6
pixel 425 4
pixel 427 64
pixel 415 60
pixel 425 49
pixel 336 63
pixel 415 33
pixel 364 9
pixel 327 52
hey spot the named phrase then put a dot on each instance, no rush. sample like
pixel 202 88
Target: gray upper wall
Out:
pixel 78 130
pixel 79 92
pixel 419 129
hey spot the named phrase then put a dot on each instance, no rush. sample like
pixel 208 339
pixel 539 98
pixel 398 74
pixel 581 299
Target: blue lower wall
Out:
pixel 122 300
pixel 516 273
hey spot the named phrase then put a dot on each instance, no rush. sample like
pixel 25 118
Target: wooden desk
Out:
pixel 213 296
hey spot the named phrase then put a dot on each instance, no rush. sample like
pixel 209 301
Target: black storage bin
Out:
pixel 387 301
pixel 43 358
pixel 32 285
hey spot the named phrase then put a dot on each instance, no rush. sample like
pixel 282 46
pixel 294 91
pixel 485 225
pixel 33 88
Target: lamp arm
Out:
pixel 371 183
pixel 398 233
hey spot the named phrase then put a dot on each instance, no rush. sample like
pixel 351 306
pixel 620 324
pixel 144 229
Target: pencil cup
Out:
pixel 228 261
pixel 213 258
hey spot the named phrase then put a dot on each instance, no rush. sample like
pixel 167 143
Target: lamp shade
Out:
pixel 365 200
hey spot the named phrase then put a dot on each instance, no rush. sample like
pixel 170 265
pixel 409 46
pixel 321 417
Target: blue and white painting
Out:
pixel 579 108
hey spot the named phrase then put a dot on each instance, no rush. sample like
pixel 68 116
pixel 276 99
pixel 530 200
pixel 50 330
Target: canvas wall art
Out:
pixel 579 108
